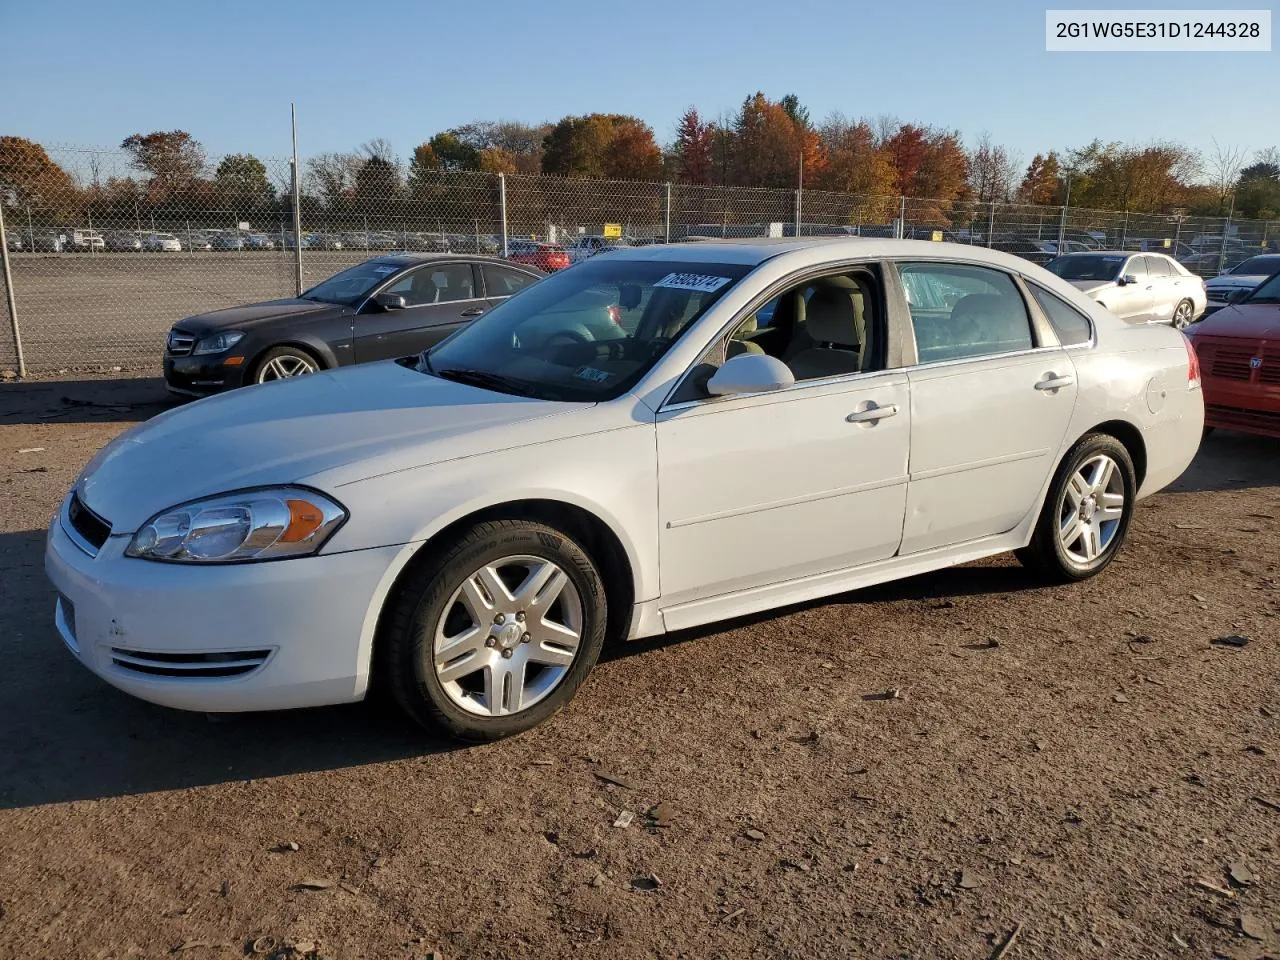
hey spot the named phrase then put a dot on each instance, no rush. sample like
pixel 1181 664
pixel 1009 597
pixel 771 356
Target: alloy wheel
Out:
pixel 1091 509
pixel 284 367
pixel 508 636
pixel 1182 315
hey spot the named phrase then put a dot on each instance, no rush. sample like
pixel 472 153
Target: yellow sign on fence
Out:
pixel 937 236
pixel 613 230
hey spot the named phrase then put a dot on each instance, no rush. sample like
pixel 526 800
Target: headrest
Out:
pixel 828 317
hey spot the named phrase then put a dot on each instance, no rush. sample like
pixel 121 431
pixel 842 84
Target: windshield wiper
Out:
pixel 484 379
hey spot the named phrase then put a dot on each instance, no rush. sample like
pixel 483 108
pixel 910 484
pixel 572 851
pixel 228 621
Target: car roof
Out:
pixel 1116 253
pixel 756 250
pixel 409 259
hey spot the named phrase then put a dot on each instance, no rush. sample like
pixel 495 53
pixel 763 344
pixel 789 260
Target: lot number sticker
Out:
pixel 692 281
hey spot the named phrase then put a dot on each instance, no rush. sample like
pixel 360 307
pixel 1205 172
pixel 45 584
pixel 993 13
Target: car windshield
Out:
pixel 351 285
pixel 1258 265
pixel 1087 266
pixel 1268 292
pixel 589 333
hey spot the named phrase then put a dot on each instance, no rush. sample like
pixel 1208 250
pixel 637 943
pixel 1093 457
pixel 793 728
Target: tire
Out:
pixel 1182 314
pixel 467 687
pixel 273 364
pixel 1204 434
pixel 1050 552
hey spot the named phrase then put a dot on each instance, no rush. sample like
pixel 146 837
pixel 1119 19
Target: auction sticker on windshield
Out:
pixel 692 281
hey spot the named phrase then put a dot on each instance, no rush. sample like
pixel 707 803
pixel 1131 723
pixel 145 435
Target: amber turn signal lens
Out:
pixel 304 520
pixel 233 361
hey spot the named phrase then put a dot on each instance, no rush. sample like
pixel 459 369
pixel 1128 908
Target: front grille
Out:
pixel 90 527
pixel 1269 372
pixel 180 343
pixel 1243 417
pixel 189 666
pixel 1232 363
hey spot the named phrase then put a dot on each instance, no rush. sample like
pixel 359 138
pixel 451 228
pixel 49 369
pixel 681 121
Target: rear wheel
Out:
pixel 283 363
pixel 496 633
pixel 1182 314
pixel 1086 513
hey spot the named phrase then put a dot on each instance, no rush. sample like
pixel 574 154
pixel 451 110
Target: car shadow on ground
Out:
pixel 1231 461
pixel 83 401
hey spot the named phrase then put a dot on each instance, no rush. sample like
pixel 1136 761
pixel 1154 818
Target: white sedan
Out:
pixel 1138 287
pixel 758 424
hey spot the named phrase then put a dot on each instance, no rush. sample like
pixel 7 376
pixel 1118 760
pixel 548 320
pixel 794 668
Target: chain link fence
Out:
pixel 105 260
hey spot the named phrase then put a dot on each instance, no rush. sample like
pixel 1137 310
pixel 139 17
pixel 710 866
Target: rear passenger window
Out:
pixel 1136 267
pixel 501 282
pixel 959 311
pixel 1069 323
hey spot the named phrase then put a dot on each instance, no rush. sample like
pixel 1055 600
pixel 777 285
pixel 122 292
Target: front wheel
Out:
pixel 496 633
pixel 282 363
pixel 1182 314
pixel 1086 513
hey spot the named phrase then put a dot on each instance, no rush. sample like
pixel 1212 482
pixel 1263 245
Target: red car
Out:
pixel 544 256
pixel 1239 351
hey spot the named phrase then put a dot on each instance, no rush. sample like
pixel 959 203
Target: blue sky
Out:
pixel 90 74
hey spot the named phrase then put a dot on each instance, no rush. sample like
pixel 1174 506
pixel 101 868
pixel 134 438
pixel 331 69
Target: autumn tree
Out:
pixel 172 160
pixel 242 177
pixel 768 145
pixel 602 145
pixel 993 171
pixel 855 163
pixel 1150 179
pixel 34 180
pixel 693 148
pixel 498 160
pixel 1223 167
pixel 927 163
pixel 520 144
pixel 1040 182
pixel 332 177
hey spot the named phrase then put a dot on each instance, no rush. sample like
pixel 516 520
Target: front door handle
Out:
pixel 473 312
pixel 873 413
pixel 1054 382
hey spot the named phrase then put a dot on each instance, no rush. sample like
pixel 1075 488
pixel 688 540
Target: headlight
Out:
pixel 218 343
pixel 266 524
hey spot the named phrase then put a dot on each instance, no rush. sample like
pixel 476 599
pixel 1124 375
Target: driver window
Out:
pixel 825 327
pixel 1136 267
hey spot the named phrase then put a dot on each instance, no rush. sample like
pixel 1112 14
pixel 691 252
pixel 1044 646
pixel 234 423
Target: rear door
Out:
pixel 991 397
pixel 440 298
pixel 501 282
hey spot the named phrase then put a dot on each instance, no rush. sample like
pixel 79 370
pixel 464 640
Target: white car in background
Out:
pixel 162 242
pixel 1244 276
pixel 1137 287
pixel 765 423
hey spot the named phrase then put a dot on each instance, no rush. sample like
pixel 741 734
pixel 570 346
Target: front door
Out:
pixel 439 297
pixel 765 488
pixel 1134 301
pixel 989 407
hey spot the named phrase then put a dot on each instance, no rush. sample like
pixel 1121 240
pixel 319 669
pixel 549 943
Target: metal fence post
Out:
pixel 1222 253
pixel 666 212
pixel 1062 228
pixel 8 291
pixel 991 224
pixel 1124 231
pixel 297 206
pixel 797 213
pixel 1177 233
pixel 502 209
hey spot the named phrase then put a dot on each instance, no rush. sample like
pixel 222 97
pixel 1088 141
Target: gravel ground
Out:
pixel 1080 766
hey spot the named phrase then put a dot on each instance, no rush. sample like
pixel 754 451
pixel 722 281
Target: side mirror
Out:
pixel 1127 279
pixel 391 301
pixel 1238 295
pixel 750 373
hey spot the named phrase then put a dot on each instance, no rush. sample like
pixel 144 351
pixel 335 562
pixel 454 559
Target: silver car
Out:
pixel 1243 276
pixel 1137 287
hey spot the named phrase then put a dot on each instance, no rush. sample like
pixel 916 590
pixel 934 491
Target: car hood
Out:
pixel 1254 321
pixel 348 424
pixel 1091 286
pixel 1233 281
pixel 251 314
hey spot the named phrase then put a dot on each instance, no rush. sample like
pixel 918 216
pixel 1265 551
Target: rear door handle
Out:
pixel 473 312
pixel 1054 382
pixel 873 413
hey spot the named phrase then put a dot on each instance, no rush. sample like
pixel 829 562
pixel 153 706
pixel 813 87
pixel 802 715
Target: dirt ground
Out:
pixel 1080 765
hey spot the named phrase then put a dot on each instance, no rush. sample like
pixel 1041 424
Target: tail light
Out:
pixel 1193 364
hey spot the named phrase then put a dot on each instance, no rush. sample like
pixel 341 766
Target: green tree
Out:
pixel 452 153
pixel 242 177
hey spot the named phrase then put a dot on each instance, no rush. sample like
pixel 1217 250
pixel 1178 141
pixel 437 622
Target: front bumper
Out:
pixel 201 376
pixel 219 638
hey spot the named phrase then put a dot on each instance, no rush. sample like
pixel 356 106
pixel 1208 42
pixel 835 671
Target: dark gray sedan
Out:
pixel 390 306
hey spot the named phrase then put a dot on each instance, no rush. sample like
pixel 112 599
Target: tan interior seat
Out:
pixel 829 342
